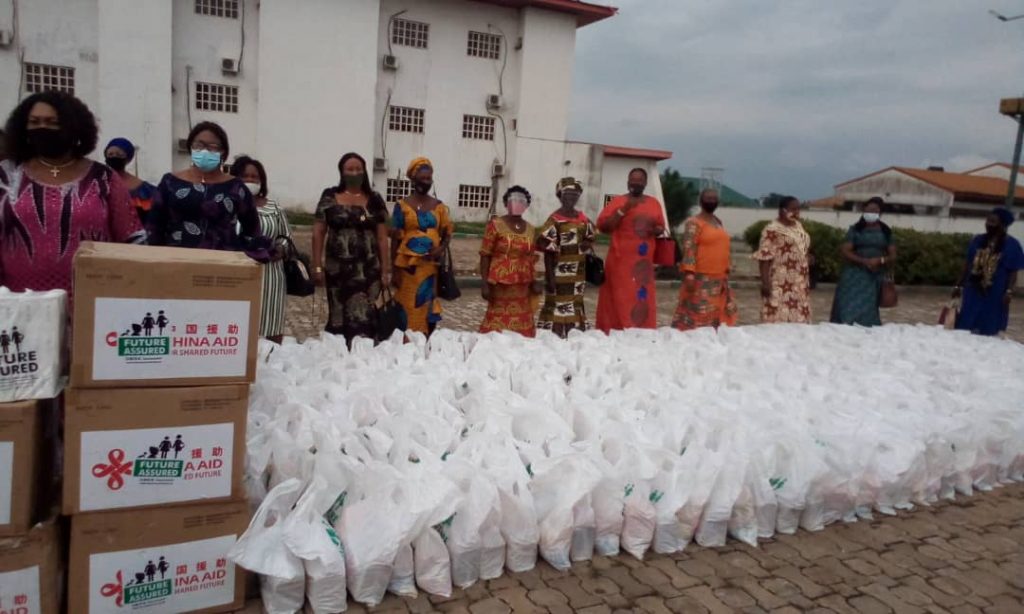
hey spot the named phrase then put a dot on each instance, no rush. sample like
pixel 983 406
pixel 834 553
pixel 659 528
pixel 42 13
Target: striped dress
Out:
pixel 273 224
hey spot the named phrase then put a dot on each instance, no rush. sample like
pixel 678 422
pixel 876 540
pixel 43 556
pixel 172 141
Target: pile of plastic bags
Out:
pixel 434 464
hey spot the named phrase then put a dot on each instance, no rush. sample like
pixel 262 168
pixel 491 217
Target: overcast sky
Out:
pixel 794 96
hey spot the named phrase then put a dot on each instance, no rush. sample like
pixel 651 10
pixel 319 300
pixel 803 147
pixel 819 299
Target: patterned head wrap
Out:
pixel 568 182
pixel 417 164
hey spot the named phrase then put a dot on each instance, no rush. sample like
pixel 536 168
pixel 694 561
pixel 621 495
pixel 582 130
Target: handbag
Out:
pixel 665 251
pixel 593 269
pixel 447 289
pixel 297 280
pixel 949 313
pixel 388 315
pixel 887 296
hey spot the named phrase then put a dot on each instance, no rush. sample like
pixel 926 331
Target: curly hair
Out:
pixel 243 162
pixel 514 189
pixel 76 122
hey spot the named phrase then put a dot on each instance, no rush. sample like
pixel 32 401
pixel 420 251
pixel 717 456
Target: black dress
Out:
pixel 352 267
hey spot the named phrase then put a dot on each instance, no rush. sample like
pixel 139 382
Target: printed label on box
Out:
pixel 167 339
pixel 6 481
pixel 19 591
pixel 19 360
pixel 149 466
pixel 175 578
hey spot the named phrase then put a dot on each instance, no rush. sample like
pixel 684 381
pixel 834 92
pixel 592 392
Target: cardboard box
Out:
pixel 169 559
pixel 137 447
pixel 32 571
pixel 32 327
pixel 20 446
pixel 164 316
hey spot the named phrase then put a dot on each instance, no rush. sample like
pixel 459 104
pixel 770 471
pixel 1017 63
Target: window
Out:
pixel 478 127
pixel 218 8
pixel 398 189
pixel 410 33
pixel 47 78
pixel 216 97
pixel 405 119
pixel 484 45
pixel 475 196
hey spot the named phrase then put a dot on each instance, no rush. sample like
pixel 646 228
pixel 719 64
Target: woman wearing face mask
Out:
pixel 705 297
pixel 785 261
pixel 421 229
pixel 565 239
pixel 868 252
pixel 274 226
pixel 351 258
pixel 628 298
pixel 507 261
pixel 52 197
pixel 204 207
pixel 989 277
pixel 118 154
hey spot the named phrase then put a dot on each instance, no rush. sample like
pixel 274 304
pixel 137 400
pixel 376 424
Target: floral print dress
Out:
pixel 787 248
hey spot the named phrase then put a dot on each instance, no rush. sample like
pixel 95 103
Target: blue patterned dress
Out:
pixel 857 295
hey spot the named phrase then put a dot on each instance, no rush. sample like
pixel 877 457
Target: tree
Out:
pixel 680 196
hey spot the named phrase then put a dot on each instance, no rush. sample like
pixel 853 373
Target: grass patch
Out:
pixel 299 218
pixel 470 228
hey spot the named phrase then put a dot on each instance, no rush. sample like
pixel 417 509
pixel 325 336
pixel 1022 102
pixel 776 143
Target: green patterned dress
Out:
pixel 857 295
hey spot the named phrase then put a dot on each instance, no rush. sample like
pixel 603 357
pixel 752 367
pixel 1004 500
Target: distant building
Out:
pixel 928 192
pixel 997 169
pixel 480 86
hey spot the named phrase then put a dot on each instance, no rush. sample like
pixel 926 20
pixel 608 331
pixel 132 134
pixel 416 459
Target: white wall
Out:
pixel 737 220
pixel 135 80
pixel 615 175
pixel 542 163
pixel 318 62
pixel 548 56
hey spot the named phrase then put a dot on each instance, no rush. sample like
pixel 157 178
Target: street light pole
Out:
pixel 1014 107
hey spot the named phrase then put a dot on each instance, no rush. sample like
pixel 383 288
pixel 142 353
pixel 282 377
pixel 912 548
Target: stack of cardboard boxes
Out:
pixel 31 365
pixel 164 350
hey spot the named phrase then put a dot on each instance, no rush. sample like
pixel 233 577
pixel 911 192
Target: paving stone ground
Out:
pixel 964 556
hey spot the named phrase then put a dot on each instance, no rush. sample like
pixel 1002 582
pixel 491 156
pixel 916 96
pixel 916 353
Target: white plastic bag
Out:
pixel 403 575
pixel 311 538
pixel 433 564
pixel 262 549
pixel 369 529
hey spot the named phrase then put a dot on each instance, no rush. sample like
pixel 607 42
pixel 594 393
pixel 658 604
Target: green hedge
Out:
pixel 924 258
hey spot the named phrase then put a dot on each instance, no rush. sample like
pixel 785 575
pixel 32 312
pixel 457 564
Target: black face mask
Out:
pixel 118 164
pixel 48 143
pixel 422 187
pixel 709 207
pixel 992 231
pixel 636 190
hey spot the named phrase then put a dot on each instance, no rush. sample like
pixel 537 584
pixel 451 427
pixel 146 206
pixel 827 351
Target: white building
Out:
pixel 480 86
pixel 997 169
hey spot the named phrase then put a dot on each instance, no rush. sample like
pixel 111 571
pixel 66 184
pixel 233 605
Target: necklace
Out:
pixel 55 169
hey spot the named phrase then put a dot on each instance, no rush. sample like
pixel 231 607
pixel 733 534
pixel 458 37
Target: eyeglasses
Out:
pixel 198 145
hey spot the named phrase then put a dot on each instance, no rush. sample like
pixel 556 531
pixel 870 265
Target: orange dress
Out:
pixel 628 298
pixel 709 300
pixel 513 263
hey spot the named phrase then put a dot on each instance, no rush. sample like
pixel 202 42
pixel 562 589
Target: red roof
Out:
pixel 585 12
pixel 971 186
pixel 987 166
pixel 632 152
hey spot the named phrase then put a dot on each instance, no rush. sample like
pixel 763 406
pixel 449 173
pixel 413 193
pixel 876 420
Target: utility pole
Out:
pixel 1014 107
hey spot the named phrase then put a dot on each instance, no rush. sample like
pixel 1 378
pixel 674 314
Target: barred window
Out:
pixel 410 33
pixel 47 78
pixel 475 196
pixel 218 8
pixel 478 127
pixel 405 119
pixel 216 97
pixel 398 189
pixel 484 45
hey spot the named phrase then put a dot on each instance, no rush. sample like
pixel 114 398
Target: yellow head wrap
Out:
pixel 417 164
pixel 568 182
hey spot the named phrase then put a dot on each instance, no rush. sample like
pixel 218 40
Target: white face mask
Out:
pixel 871 218
pixel 254 188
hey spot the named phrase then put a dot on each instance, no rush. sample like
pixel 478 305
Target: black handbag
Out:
pixel 447 289
pixel 388 315
pixel 593 269
pixel 297 280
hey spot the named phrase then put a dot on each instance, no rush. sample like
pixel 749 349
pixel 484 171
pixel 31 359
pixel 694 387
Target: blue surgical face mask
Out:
pixel 871 218
pixel 205 161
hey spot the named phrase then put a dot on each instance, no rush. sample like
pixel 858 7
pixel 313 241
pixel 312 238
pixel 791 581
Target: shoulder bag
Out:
pixel 593 269
pixel 388 315
pixel 447 289
pixel 298 281
pixel 887 295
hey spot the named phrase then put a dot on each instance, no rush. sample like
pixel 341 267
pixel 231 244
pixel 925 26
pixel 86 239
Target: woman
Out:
pixel 118 154
pixel 351 230
pixel 274 226
pixel 705 298
pixel 507 261
pixel 204 207
pixel 785 262
pixel 989 277
pixel 422 228
pixel 868 252
pixel 52 197
pixel 628 298
pixel 564 239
